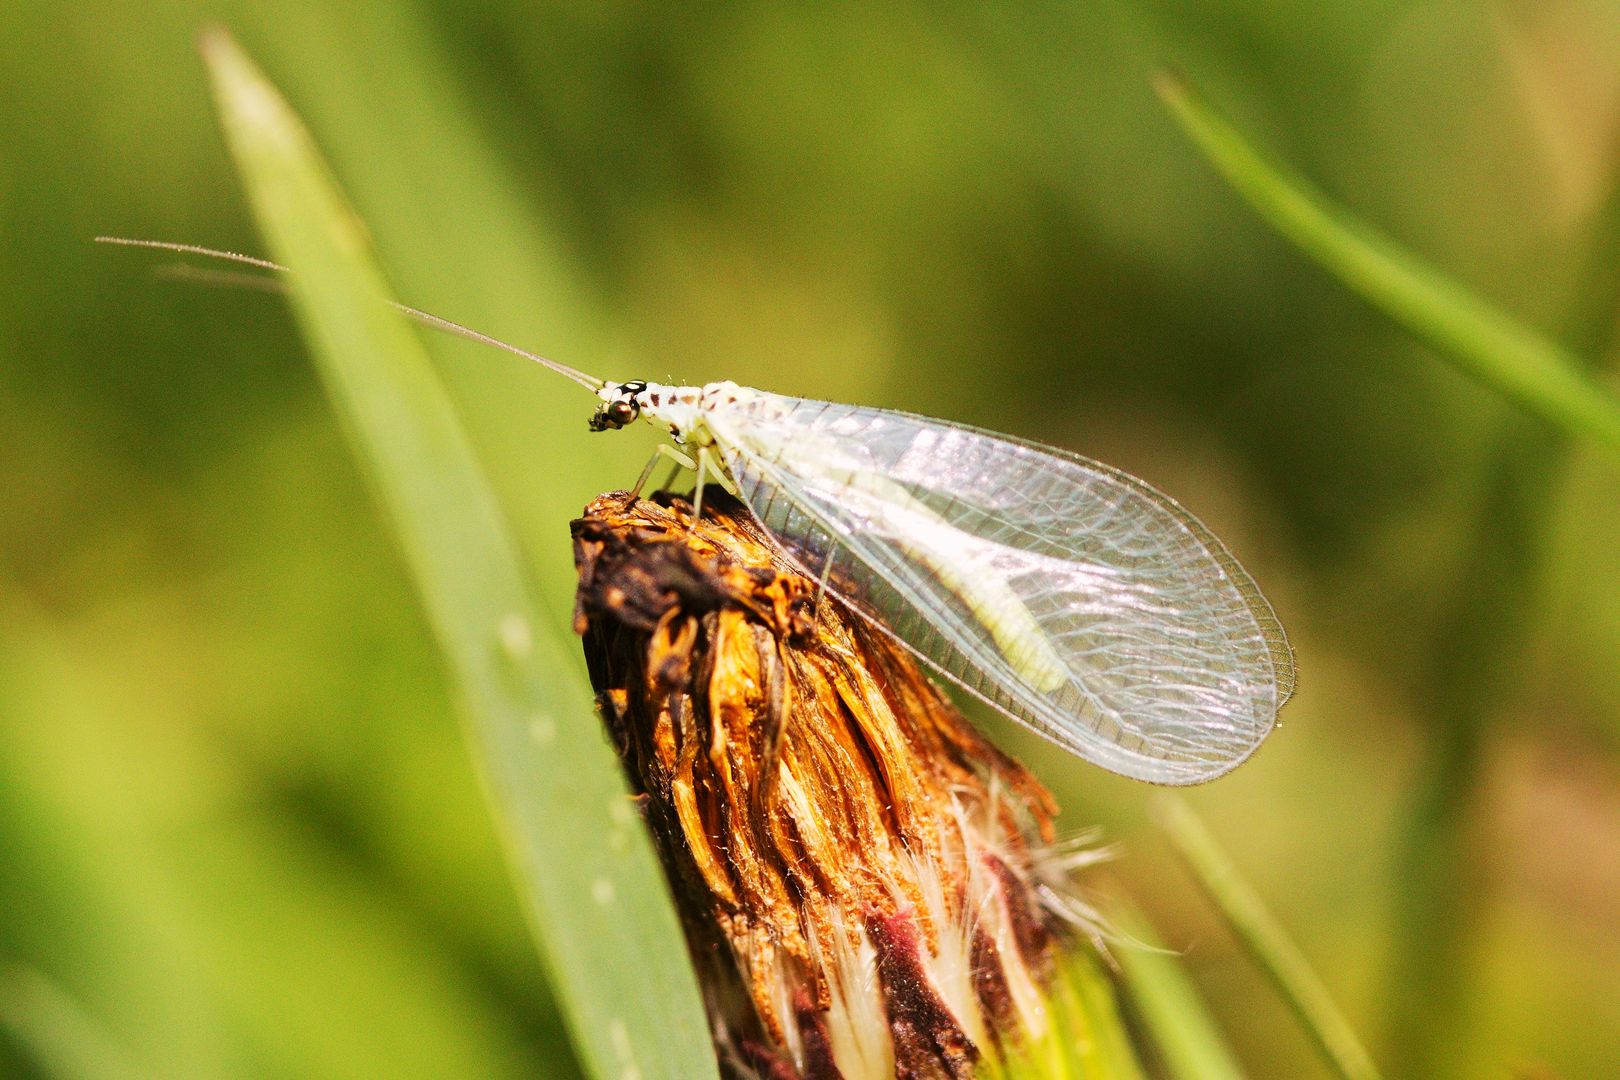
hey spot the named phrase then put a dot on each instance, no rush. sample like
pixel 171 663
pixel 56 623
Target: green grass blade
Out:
pixel 1485 344
pixel 607 932
pixel 1263 937
pixel 1168 1003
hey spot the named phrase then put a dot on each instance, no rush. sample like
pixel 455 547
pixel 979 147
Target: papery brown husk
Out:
pixel 851 859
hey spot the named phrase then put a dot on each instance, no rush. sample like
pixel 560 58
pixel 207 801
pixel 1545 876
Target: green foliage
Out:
pixel 1086 1037
pixel 1497 350
pixel 1174 1017
pixel 1481 628
pixel 613 947
pixel 1266 942
pixel 241 830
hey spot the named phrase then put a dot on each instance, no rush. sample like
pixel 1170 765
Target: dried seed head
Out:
pixel 860 873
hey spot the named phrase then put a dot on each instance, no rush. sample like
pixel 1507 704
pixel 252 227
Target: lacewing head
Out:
pixel 621 406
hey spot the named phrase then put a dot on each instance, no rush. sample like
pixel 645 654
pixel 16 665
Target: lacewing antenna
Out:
pixel 427 318
pixel 437 322
pixel 193 249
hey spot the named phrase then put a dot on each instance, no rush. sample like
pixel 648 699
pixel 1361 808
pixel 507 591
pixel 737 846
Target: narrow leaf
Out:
pixel 601 911
pixel 1258 931
pixel 1487 345
pixel 1168 1003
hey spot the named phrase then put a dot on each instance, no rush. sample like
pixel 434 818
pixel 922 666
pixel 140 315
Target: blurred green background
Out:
pixel 239 833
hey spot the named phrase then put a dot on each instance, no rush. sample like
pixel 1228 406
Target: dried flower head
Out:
pixel 869 888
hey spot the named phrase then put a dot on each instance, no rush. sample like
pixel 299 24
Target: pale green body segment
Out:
pixel 920 532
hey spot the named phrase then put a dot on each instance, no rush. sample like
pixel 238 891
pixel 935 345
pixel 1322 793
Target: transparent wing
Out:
pixel 1074 597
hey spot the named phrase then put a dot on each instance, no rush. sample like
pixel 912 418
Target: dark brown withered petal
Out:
pixel 819 1063
pixel 929 1042
pixel 1031 933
